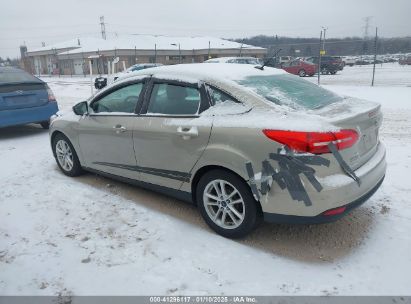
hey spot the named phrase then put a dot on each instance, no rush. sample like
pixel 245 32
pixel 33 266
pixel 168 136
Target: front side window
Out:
pixel 174 100
pixel 123 100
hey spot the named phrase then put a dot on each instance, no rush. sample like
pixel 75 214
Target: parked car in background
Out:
pixel 238 60
pixel 133 68
pixel 329 64
pixel 284 59
pixel 348 60
pixel 363 61
pixel 241 143
pixel 406 60
pixel 300 67
pixel 24 99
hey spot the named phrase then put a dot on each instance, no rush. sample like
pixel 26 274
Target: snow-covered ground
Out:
pixel 91 235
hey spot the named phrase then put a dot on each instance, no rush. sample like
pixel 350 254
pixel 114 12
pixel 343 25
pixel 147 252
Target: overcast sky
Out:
pixel 31 22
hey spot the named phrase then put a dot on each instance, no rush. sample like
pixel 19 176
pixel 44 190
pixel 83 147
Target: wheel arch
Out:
pixel 53 135
pixel 207 168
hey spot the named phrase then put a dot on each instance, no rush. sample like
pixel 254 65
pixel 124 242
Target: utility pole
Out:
pixel 319 58
pixel 179 53
pixel 375 55
pixel 103 27
pixel 155 53
pixel 366 25
pixel 208 50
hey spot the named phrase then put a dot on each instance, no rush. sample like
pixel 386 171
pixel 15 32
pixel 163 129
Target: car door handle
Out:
pixel 187 132
pixel 119 129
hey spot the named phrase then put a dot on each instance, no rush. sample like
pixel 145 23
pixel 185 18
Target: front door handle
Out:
pixel 119 129
pixel 187 132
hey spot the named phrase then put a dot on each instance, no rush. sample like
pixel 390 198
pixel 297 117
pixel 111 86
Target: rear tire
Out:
pixel 45 124
pixel 302 73
pixel 66 156
pixel 227 204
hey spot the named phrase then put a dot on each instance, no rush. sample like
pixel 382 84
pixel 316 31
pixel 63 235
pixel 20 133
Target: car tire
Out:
pixel 66 156
pixel 45 124
pixel 302 73
pixel 333 72
pixel 234 215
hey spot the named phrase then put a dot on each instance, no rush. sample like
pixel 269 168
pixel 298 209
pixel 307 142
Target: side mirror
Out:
pixel 81 108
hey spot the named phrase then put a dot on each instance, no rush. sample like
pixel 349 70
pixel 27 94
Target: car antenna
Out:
pixel 267 61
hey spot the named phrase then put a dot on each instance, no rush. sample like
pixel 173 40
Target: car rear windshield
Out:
pixel 16 76
pixel 290 90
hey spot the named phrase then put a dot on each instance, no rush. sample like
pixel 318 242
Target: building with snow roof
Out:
pixel 72 57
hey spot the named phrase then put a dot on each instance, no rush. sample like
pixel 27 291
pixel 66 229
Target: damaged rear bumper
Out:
pixel 321 218
pixel 339 191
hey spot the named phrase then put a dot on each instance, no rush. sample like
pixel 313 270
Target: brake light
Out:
pixel 50 94
pixel 313 142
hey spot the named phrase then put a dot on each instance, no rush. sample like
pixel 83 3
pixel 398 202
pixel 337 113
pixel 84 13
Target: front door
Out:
pixel 169 137
pixel 105 135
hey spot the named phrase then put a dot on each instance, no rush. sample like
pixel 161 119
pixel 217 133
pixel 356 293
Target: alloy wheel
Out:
pixel 224 204
pixel 64 155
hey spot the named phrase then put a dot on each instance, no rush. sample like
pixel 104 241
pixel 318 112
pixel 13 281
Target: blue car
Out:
pixel 24 99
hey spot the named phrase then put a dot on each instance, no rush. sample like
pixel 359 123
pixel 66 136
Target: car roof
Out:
pixel 221 72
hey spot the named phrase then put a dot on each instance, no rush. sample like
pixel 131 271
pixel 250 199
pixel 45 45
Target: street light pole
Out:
pixel 375 55
pixel 325 30
pixel 319 58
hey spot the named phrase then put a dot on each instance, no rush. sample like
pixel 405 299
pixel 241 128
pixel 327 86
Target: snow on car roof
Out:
pixel 219 72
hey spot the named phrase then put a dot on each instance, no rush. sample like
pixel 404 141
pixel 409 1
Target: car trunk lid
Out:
pixel 22 95
pixel 362 116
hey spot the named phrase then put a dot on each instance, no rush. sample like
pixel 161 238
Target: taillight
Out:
pixel 50 94
pixel 313 142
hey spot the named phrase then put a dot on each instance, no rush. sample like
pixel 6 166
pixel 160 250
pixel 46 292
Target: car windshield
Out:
pixel 15 76
pixel 290 90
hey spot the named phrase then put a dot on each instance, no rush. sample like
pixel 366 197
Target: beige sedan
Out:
pixel 243 143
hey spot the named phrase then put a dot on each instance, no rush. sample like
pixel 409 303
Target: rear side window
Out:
pixel 123 100
pixel 218 96
pixel 16 76
pixel 290 90
pixel 171 99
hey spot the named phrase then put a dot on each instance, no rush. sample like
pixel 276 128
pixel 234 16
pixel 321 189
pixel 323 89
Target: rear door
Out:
pixel 105 135
pixel 169 136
